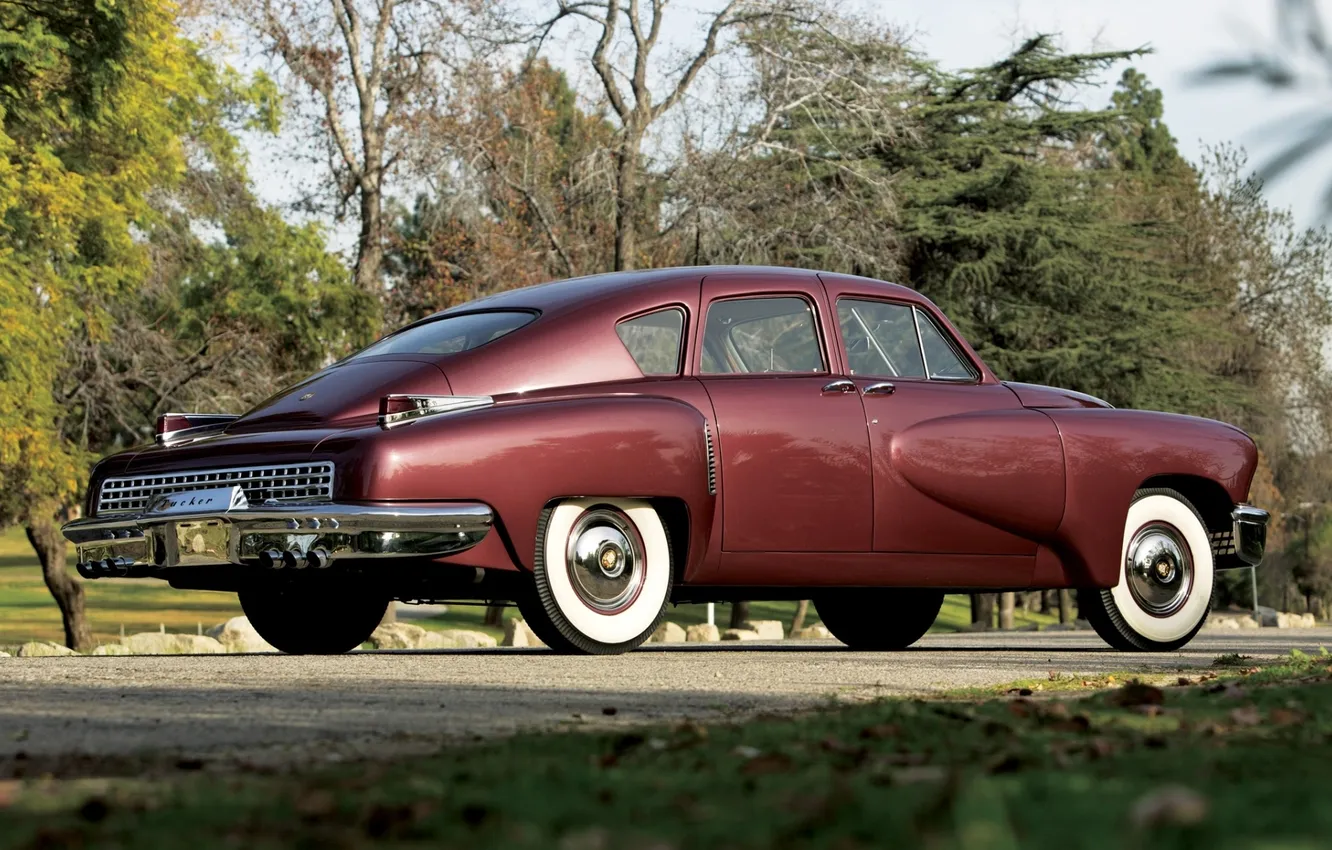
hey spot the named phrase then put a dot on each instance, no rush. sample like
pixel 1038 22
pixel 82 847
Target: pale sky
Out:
pixel 1186 35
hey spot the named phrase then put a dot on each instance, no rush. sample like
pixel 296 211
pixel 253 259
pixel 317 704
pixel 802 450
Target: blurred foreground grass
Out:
pixel 1232 758
pixel 27 611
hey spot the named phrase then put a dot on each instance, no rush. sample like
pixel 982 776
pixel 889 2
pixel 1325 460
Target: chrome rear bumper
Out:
pixel 274 536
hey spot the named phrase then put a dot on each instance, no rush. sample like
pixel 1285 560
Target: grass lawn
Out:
pixel 27 611
pixel 1238 758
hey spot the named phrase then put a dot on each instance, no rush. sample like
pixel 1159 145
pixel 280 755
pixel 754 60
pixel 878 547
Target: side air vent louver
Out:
pixel 712 460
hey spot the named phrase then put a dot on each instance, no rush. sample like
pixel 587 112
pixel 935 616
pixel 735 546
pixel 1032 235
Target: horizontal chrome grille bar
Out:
pixel 303 482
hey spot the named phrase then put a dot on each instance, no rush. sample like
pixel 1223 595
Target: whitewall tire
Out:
pixel 1166 577
pixel 602 574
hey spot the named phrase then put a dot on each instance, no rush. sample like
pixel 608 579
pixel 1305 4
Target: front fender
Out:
pixel 519 456
pixel 1111 453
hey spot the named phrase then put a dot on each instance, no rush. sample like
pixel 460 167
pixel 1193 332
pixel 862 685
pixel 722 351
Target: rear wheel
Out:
pixel 879 619
pixel 602 575
pixel 309 618
pixel 1166 577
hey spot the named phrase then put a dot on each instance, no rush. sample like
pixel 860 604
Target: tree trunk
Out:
pixel 739 614
pixel 982 611
pixel 1065 606
pixel 1007 602
pixel 370 242
pixel 494 615
pixel 798 621
pixel 626 200
pixel 49 544
pixel 1046 603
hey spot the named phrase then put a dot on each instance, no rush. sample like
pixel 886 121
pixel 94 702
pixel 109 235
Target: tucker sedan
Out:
pixel 595 450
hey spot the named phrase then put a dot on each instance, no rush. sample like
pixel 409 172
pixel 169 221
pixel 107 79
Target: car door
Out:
pixel 909 369
pixel 792 445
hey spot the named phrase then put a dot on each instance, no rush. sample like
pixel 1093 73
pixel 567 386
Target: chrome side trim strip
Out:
pixel 400 409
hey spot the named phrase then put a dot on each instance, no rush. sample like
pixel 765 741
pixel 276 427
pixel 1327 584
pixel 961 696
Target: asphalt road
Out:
pixel 59 713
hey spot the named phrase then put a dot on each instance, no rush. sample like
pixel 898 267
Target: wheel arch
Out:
pixel 1208 497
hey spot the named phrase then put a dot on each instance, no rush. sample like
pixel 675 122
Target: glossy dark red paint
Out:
pixel 974 484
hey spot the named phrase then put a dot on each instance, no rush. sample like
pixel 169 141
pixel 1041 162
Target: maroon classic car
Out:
pixel 593 450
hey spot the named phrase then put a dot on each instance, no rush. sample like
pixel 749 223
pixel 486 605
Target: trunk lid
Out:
pixel 343 395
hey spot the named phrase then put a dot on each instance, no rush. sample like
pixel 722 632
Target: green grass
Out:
pixel 27 611
pixel 1238 760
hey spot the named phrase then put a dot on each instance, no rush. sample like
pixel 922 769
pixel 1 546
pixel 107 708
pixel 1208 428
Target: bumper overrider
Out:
pixel 1250 526
pixel 218 526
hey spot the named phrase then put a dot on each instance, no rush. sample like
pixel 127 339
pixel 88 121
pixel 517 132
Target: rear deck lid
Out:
pixel 345 394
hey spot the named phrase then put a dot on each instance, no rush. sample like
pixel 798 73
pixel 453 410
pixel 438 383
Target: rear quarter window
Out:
pixel 451 334
pixel 653 340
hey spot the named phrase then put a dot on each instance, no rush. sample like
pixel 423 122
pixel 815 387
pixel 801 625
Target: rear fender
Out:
pixel 520 457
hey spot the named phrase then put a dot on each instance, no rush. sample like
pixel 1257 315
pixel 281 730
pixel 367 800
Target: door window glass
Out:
pixel 880 339
pixel 654 340
pixel 941 358
pixel 761 335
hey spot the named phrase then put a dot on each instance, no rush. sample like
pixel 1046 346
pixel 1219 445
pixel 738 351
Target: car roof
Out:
pixel 645 285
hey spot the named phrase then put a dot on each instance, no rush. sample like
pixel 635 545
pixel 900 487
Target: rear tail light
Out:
pixel 175 427
pixel 401 409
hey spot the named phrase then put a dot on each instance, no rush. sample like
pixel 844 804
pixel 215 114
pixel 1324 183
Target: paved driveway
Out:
pixel 63 712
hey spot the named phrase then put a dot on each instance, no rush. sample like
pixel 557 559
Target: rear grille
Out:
pixel 1223 543
pixel 306 482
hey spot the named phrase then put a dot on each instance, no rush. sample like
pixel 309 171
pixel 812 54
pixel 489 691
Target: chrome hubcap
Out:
pixel 1159 570
pixel 605 558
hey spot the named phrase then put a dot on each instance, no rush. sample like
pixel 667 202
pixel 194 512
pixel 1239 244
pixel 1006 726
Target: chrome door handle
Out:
pixel 884 388
pixel 840 386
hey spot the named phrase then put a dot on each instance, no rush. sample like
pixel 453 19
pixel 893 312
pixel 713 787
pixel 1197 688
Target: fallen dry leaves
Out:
pixel 1171 805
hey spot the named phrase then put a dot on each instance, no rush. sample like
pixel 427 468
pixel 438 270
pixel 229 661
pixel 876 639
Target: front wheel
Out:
pixel 309 618
pixel 879 619
pixel 602 575
pixel 1165 581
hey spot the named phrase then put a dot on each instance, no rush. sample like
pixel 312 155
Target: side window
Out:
pixel 941 359
pixel 885 340
pixel 653 340
pixel 880 339
pixel 761 335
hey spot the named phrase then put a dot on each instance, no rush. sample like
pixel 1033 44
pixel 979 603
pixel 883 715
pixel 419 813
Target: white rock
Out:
pixel 668 633
pixel 237 635
pixel 400 636
pixel 157 643
pixel 818 631
pixel 1295 621
pixel 740 634
pixel 1231 621
pixel 112 649
pixel 463 639
pixel 767 629
pixel 518 633
pixel 4 654
pixel 43 649
pixel 702 633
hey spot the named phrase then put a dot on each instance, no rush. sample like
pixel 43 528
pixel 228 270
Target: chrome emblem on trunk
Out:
pixel 215 499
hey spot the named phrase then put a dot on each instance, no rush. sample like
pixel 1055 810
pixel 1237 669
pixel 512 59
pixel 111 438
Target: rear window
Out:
pixel 450 335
